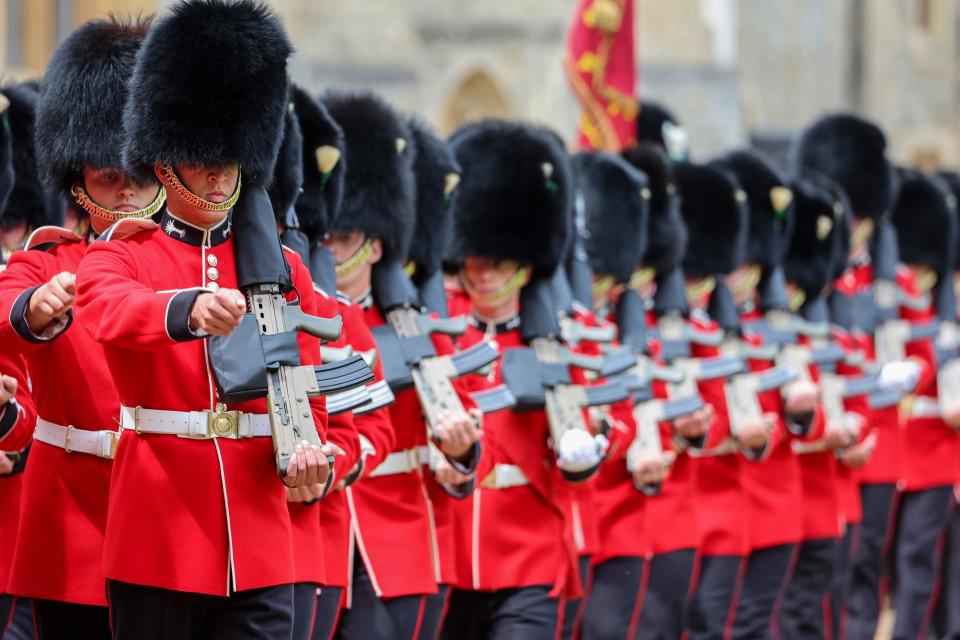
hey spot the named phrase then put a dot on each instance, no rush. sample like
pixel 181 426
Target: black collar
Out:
pixel 505 326
pixel 195 236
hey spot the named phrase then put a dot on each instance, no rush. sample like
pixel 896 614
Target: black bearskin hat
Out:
pixel 714 209
pixel 616 200
pixel 82 100
pixel 288 171
pixel 514 199
pixel 209 88
pixel 380 187
pixel 667 234
pixel 769 207
pixel 819 222
pixel 28 201
pixel 952 180
pixel 851 151
pixel 6 154
pixel 656 124
pixel 437 174
pixel 925 217
pixel 323 165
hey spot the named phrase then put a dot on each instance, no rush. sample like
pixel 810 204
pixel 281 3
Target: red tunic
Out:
pixel 63 511
pixel 16 423
pixel 517 536
pixel 375 426
pixel 202 516
pixel 392 515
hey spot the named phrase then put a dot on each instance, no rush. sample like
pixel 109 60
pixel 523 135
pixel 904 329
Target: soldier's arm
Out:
pixel 18 415
pixel 26 272
pixel 119 310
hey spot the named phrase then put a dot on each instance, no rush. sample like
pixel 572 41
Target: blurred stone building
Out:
pixel 734 71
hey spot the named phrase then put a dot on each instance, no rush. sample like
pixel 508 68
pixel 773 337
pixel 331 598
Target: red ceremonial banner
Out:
pixel 601 68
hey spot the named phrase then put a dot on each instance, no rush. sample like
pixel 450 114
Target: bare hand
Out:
pixel 695 425
pixel 309 465
pixel 8 388
pixel 51 300
pixel 801 398
pixel 6 465
pixel 218 313
pixel 953 419
pixel 858 455
pixel 304 494
pixel 837 437
pixel 456 432
pixel 444 473
pixel 756 435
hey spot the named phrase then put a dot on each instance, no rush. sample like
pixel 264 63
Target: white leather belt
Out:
pixel 195 424
pixel 924 407
pixel 801 448
pixel 102 444
pixel 403 461
pixel 505 476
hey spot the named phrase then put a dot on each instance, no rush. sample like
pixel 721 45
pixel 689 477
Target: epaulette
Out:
pixel 44 237
pixel 127 227
pixel 343 298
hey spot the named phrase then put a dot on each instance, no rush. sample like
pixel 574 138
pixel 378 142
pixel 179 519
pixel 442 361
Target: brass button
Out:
pixel 212 273
pixel 213 286
pixel 211 260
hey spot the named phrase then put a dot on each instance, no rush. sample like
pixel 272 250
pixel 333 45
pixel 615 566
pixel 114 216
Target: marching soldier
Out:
pixel 66 484
pixel 395 568
pixel 772 483
pixel 511 222
pixel 614 198
pixel 852 151
pixel 817 245
pixel 925 217
pixel 206 551
pixel 672 529
pixel 714 211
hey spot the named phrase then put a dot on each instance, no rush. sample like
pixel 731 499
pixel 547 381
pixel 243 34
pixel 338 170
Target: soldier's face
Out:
pixel 743 282
pixel 345 245
pixel 486 275
pixel 213 183
pixel 113 189
pixel 11 236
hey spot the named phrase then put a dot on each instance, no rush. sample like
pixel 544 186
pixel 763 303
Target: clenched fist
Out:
pixel 8 389
pixel 219 313
pixel 801 398
pixel 456 432
pixel 50 303
pixel 695 425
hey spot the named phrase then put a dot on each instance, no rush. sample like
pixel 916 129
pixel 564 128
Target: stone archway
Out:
pixel 476 97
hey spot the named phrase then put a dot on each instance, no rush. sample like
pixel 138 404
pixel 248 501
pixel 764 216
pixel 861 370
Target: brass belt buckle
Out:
pixel 66 439
pixel 223 423
pixel 114 441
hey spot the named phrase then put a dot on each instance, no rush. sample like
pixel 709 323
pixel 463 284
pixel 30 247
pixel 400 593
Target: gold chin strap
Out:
pixel 862 233
pixel 749 281
pixel 519 278
pixel 358 259
pixel 166 173
pixel 702 288
pixel 926 279
pixel 95 210
pixel 641 277
pixel 602 286
pixel 797 298
pixel 410 268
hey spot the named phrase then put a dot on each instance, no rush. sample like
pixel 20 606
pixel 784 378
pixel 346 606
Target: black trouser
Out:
pixel 948 612
pixel 802 611
pixel 764 580
pixel 573 608
pixel 921 524
pixel 304 609
pixel 54 619
pixel 327 612
pixel 526 613
pixel 370 616
pixel 16 618
pixel 149 613
pixel 711 605
pixel 842 576
pixel 433 612
pixel 863 601
pixel 614 597
pixel 663 615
